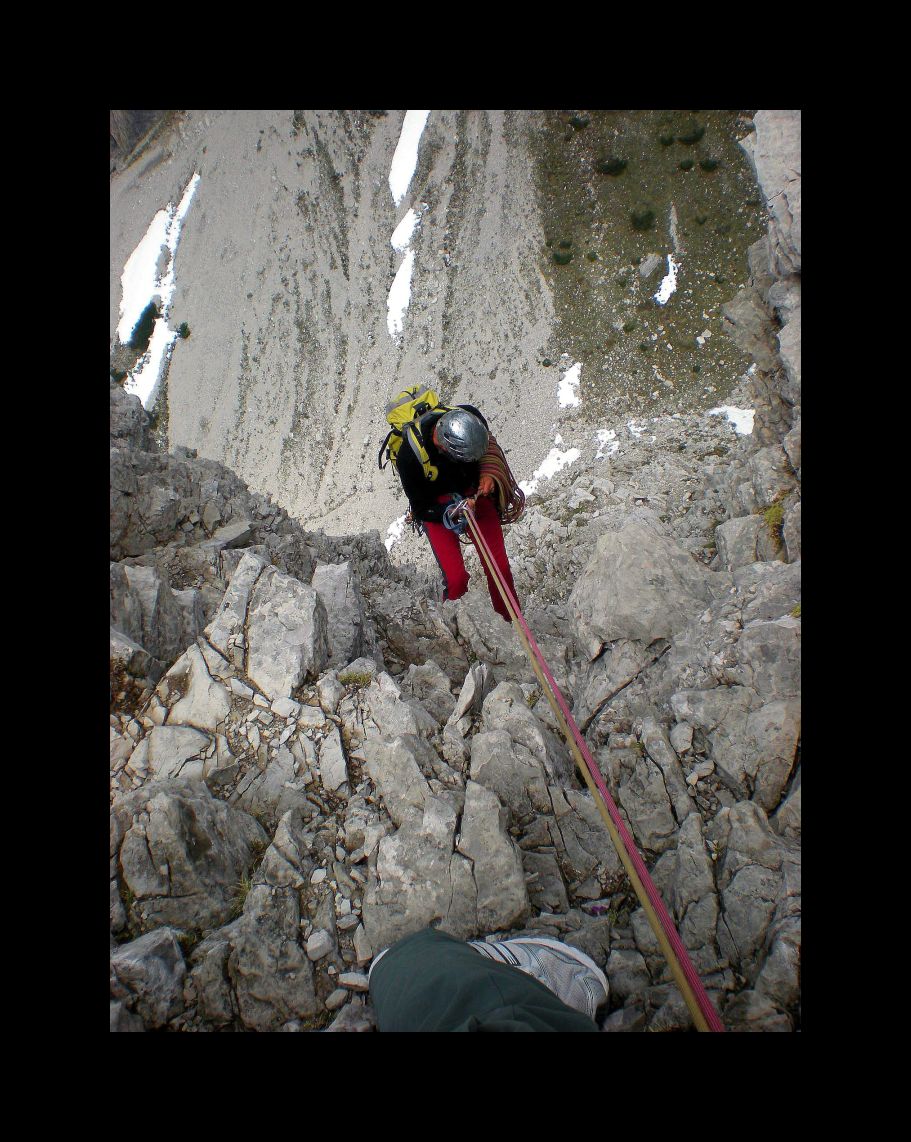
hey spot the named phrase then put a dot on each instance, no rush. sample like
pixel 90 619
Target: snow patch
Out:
pixel 741 418
pixel 400 296
pixel 405 158
pixel 608 444
pixel 554 461
pixel 403 233
pixel 395 531
pixel 669 283
pixel 568 389
pixel 142 280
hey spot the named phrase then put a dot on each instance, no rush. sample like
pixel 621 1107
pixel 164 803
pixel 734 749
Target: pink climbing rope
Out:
pixel 681 954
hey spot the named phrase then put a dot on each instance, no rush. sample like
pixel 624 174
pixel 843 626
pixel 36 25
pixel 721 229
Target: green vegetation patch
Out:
pixel 774 518
pixel 612 165
pixel 643 218
pixel 355 678
pixel 692 134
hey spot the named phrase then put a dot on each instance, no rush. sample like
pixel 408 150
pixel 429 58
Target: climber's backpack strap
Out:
pixel 404 414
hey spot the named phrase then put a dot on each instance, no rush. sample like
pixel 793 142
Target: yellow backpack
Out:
pixel 404 413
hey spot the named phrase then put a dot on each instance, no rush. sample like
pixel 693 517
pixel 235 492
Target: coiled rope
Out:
pixel 705 1017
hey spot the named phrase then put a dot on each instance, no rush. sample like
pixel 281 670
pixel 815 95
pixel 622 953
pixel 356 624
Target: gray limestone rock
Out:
pixel 288 862
pixel 615 668
pixel 584 844
pixel 739 540
pixel 722 714
pixel 332 762
pixel 391 714
pixel 753 1011
pixel 774 152
pixel 645 800
pixel 286 629
pixel 268 963
pixel 280 786
pixel 511 771
pixel 544 882
pixel 122 1019
pixel 205 703
pixel 502 899
pixel 478 683
pixel 681 737
pixel 770 590
pixel 330 691
pixel 395 772
pixel 767 658
pixel 338 588
pixel 168 628
pixel 505 708
pixel 134 659
pixel 626 1019
pixel 791 532
pixel 148 975
pixel 181 853
pixel 638 585
pixel 175 751
pixel 692 896
pixel 752 871
pixel 626 973
pixel 420 853
pixel 660 750
pixel 776 731
pixel 771 475
pixel 320 944
pixel 129 420
pixel 226 629
pixel 355 1017
pixel 430 686
pixel 786 820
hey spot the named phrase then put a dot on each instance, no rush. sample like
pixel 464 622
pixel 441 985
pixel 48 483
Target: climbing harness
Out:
pixel 705 1017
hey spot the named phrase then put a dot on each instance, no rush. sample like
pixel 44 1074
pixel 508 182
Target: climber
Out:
pixel 470 464
pixel 430 981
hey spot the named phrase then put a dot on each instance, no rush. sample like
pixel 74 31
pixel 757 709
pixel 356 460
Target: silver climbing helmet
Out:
pixel 464 437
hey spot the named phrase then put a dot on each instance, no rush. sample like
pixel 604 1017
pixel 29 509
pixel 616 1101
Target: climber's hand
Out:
pixel 485 486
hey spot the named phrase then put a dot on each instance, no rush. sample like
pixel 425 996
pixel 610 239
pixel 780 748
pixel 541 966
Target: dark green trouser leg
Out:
pixel 432 982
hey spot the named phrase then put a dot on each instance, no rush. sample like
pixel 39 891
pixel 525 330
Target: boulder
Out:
pixel 181 854
pixel 287 641
pixel 148 974
pixel 638 585
pixel 511 771
pixel 338 588
pixel 282 785
pixel 502 898
pixel 205 703
pixel 394 770
pixel 390 713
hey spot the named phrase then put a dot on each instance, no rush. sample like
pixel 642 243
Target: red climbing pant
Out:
pixel 448 552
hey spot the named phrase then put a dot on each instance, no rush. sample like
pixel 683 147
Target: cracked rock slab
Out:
pixel 637 585
pixel 182 853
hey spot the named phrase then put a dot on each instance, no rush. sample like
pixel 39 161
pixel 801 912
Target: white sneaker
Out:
pixel 570 974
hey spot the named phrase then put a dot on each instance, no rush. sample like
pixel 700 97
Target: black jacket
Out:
pixel 453 476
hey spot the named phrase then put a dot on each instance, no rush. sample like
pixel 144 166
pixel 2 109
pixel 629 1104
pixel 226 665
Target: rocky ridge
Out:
pixel 311 756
